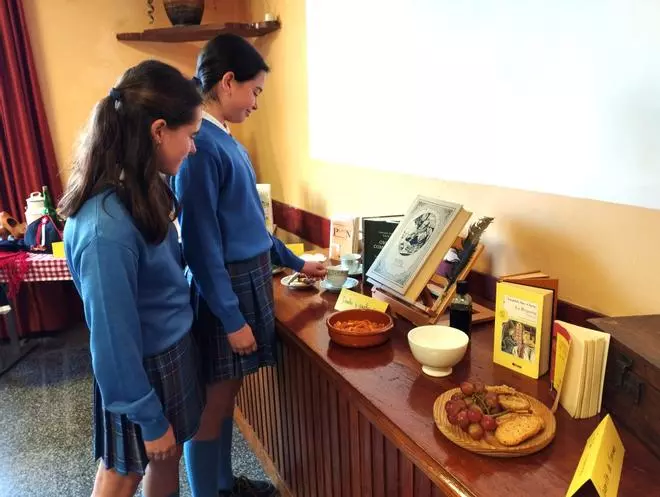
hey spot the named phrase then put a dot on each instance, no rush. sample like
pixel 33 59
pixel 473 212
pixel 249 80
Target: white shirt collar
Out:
pixel 213 120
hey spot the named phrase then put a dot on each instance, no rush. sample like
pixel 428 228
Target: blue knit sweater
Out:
pixel 137 304
pixel 222 220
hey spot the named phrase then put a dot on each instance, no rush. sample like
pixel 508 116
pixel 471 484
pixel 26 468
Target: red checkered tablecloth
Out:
pixel 44 267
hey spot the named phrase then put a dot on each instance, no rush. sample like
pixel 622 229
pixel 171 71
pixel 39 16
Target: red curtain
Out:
pixel 27 157
pixel 27 162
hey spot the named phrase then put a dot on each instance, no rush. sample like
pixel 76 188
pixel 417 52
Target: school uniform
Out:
pixel 229 253
pixel 137 307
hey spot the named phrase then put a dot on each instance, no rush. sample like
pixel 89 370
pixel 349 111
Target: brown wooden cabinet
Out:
pixel 339 422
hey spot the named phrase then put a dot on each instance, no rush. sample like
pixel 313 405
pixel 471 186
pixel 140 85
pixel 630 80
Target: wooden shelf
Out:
pixel 179 34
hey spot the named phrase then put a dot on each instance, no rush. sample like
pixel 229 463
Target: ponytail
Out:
pixel 116 151
pixel 99 143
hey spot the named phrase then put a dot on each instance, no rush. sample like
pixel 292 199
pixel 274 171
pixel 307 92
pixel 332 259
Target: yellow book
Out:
pixel 584 379
pixel 523 319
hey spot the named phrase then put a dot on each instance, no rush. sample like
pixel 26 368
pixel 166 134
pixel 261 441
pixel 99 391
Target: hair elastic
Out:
pixel 114 93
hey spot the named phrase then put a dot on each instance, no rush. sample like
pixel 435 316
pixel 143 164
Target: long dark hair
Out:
pixel 227 53
pixel 116 152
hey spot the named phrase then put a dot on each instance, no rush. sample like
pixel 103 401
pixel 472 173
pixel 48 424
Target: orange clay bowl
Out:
pixel 360 339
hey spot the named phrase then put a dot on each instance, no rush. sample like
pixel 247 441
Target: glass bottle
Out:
pixel 460 309
pixel 49 208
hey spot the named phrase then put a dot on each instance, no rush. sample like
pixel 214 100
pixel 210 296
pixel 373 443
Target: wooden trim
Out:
pixel 316 229
pixel 308 226
pixel 259 450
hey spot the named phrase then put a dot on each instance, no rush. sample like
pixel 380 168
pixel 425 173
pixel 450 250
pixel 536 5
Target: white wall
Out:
pixel 556 96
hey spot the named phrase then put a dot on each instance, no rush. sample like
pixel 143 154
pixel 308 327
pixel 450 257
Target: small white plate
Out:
pixel 296 284
pixel 277 269
pixel 318 257
pixel 348 284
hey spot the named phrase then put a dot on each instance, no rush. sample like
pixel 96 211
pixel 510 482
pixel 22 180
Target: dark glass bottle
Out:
pixel 460 309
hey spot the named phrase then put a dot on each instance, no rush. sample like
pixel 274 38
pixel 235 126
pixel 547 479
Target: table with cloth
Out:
pixel 48 303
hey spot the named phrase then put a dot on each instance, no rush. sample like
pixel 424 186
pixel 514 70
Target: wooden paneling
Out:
pixel 317 440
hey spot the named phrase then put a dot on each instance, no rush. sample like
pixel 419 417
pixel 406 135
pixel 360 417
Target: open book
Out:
pixel 584 379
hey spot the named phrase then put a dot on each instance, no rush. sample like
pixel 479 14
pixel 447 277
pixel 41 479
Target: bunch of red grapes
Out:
pixel 474 410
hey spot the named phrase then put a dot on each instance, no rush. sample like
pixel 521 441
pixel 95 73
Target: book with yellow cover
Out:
pixel 523 319
pixel 584 378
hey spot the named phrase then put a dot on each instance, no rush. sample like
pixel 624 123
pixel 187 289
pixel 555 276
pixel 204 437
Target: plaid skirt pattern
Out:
pixel 175 376
pixel 252 282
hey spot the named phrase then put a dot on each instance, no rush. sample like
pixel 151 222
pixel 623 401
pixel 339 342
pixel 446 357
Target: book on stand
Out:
pixel 418 245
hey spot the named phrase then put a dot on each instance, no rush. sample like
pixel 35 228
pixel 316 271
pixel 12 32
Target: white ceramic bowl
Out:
pixel 437 348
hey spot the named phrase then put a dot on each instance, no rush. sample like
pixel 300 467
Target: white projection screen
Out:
pixel 556 96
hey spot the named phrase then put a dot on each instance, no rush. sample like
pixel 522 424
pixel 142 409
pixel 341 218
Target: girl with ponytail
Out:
pixel 123 251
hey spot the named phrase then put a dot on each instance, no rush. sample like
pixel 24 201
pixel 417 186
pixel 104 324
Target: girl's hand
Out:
pixel 314 270
pixel 242 341
pixel 162 448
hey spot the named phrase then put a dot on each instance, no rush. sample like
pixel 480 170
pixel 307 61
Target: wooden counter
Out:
pixel 340 422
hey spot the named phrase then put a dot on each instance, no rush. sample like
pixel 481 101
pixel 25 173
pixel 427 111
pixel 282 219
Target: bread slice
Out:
pixel 501 389
pixel 518 429
pixel 515 403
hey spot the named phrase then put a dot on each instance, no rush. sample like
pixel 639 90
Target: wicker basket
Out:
pixel 462 439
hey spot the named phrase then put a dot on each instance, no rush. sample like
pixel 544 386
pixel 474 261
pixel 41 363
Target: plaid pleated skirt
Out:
pixel 252 282
pixel 176 378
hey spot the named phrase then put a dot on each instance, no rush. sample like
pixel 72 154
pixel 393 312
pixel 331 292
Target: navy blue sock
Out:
pixel 201 466
pixel 225 473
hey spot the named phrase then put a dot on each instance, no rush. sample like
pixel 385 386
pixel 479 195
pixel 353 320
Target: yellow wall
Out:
pixel 605 255
pixel 78 57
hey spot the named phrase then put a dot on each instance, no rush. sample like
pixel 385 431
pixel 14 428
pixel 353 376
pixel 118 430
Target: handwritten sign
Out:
pixel 601 461
pixel 297 248
pixel 352 300
pixel 562 349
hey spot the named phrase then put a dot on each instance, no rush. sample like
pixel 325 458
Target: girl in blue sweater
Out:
pixel 125 259
pixel 229 252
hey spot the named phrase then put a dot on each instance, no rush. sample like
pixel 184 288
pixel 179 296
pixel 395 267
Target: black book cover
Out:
pixel 375 233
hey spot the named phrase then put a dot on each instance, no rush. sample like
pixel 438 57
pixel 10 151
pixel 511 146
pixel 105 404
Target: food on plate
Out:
pixel 502 389
pixel 513 403
pixel 519 429
pixel 476 431
pixel 300 279
pixel 359 325
pixel 498 415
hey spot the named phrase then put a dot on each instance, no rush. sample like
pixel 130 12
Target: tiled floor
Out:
pixel 45 424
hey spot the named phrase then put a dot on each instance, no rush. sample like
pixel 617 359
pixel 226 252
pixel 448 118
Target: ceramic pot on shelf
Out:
pixel 184 12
